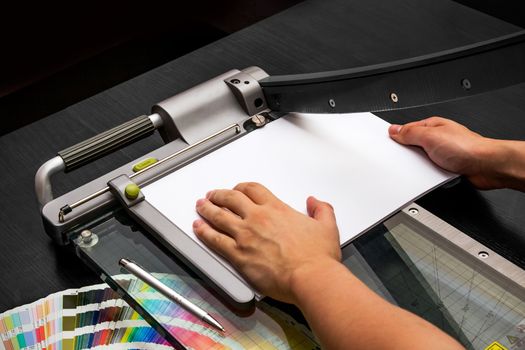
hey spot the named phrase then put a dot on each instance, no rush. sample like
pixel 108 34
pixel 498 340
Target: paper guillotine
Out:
pixel 107 218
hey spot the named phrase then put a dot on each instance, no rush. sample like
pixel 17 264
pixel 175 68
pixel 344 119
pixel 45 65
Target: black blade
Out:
pixel 428 79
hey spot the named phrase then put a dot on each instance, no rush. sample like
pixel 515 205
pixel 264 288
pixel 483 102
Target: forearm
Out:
pixel 344 313
pixel 504 162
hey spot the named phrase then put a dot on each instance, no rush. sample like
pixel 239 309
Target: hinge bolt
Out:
pixel 258 120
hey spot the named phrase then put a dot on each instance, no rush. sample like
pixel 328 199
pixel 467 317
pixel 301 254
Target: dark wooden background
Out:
pixel 55 55
pixel 311 36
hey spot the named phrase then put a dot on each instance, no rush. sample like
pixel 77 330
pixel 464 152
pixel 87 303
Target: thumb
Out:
pixel 320 211
pixel 409 134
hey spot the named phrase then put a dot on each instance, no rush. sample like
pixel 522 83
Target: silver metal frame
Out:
pixel 43 187
pixel 466 248
pixel 184 120
pixel 179 243
pixel 235 127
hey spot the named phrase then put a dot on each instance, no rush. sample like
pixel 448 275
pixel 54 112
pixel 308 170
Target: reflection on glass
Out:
pixel 404 264
pixel 264 327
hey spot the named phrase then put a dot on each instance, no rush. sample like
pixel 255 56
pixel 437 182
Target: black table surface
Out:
pixel 313 36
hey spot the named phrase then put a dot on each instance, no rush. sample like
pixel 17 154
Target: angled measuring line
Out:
pixel 466 308
pixel 486 319
pixel 436 271
pixel 422 270
pixel 495 319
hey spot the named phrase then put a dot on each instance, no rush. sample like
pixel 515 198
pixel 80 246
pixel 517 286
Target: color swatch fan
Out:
pixel 95 316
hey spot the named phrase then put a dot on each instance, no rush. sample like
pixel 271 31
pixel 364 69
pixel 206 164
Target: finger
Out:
pixel 395 129
pixel 235 201
pixel 215 240
pixel 434 121
pixel 321 211
pixel 256 192
pixel 218 217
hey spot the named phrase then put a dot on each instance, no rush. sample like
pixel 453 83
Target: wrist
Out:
pixel 309 277
pixel 512 164
pixel 502 164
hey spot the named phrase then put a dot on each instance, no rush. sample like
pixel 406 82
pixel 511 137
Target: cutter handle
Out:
pixel 106 142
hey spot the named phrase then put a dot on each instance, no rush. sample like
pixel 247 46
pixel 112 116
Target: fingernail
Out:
pixel 200 202
pixel 197 223
pixel 312 198
pixel 394 129
pixel 208 195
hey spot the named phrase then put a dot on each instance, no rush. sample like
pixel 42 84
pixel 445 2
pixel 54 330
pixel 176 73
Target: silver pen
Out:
pixel 169 293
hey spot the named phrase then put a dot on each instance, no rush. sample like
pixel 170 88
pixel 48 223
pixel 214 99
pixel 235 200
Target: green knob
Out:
pixel 132 191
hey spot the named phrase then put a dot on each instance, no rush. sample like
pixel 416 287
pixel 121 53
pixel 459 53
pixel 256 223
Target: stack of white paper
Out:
pixel 345 159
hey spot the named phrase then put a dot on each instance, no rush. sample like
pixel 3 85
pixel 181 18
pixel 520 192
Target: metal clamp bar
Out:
pixel 68 208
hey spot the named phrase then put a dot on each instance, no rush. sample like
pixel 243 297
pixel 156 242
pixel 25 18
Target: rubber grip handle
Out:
pixel 106 142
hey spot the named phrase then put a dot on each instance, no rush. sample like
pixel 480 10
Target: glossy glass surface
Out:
pixel 403 265
pixel 268 325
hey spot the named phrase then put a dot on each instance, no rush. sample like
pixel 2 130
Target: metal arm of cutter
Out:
pixel 433 78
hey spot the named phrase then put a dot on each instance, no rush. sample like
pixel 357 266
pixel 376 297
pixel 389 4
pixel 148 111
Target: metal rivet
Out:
pixel 258 120
pixel 87 236
pixel 235 81
pixel 483 255
pixel 466 84
pixel 393 97
pixel 413 211
pixel 331 102
pixel 87 239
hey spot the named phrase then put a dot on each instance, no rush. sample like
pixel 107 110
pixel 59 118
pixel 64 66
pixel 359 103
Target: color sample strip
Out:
pixel 265 329
pixel 94 317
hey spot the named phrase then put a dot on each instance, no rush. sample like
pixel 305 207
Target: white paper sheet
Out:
pixel 345 159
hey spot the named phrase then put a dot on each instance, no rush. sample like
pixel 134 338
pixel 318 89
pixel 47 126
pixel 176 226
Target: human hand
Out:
pixel 455 148
pixel 267 241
